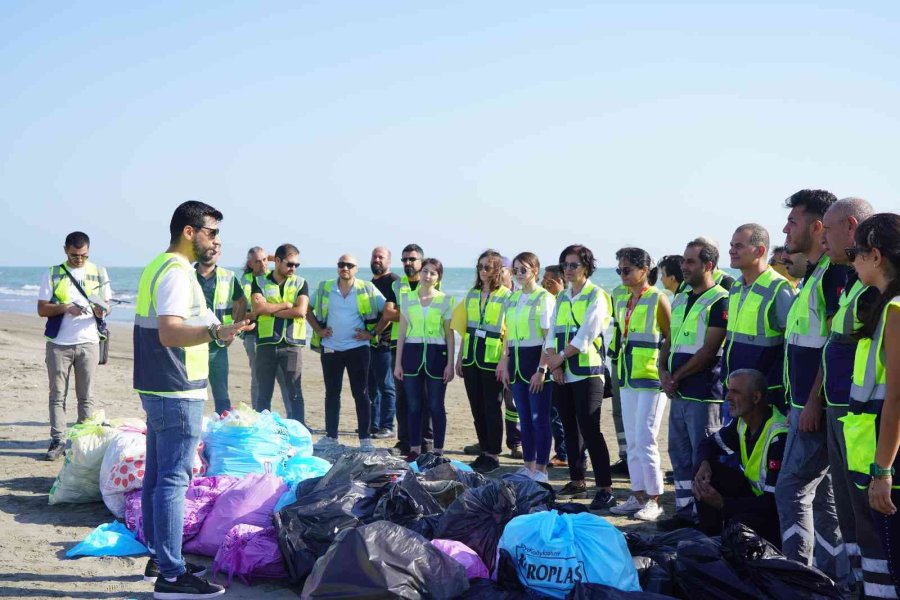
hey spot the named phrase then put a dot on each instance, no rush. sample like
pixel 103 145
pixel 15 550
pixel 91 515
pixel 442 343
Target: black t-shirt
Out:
pixel 385 285
pixel 254 287
pixel 718 312
pixel 833 282
pixel 727 282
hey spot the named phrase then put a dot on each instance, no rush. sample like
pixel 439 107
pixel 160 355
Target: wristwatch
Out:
pixel 542 370
pixel 880 472
pixel 213 331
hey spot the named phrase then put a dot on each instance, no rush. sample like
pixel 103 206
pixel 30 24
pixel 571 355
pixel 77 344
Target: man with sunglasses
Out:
pixel 343 320
pixel 73 340
pixel 280 301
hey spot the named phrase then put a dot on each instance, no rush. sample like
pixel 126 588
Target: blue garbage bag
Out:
pixel 298 435
pixel 234 448
pixel 299 468
pixel 553 551
pixel 109 539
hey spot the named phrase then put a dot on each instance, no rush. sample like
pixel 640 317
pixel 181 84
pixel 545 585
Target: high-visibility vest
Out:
pixel 400 288
pixel 366 304
pixel 569 318
pixel 867 393
pixel 425 346
pixel 272 329
pixel 159 369
pixel 616 342
pixel 95 278
pixel 523 327
pixel 222 303
pixel 247 283
pixel 756 466
pixel 688 337
pixel 807 324
pixel 841 342
pixel 482 343
pixel 639 355
pixel 718 276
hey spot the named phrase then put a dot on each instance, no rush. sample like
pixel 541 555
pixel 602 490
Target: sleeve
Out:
pixel 304 291
pixel 173 293
pixel 448 310
pixel 718 314
pixel 389 295
pixel 550 341
pixel 719 444
pixel 546 311
pixel 238 292
pixel 594 316
pixel 776 455
pixel 727 282
pixel 784 298
pixel 254 288
pixel 458 321
pixel 833 283
pixel 379 298
pixel 105 286
pixel 44 291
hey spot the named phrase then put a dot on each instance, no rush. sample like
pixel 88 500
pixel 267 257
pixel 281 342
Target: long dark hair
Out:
pixel 880 231
pixel 493 261
pixel 641 259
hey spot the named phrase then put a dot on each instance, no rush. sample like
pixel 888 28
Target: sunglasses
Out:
pixel 852 252
pixel 213 232
pixel 409 259
pixel 520 270
pixel 290 265
pixel 486 268
pixel 626 271
pixel 77 256
pixel 346 265
pixel 569 266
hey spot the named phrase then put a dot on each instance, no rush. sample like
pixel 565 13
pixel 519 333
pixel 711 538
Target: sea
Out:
pixel 19 285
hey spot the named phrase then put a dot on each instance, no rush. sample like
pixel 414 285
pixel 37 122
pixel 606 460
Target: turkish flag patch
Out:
pixel 774 465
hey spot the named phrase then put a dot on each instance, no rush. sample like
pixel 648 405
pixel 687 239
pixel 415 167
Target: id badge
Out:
pixel 328 350
pixel 480 333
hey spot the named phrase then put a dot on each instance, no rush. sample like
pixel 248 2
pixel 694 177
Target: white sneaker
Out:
pixel 325 442
pixel 366 445
pixel 540 476
pixel 651 511
pixel 629 507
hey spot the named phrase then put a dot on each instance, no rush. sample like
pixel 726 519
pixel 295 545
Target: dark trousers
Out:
pixel 382 388
pixel 579 410
pixel 402 406
pixel 422 390
pixel 288 360
pixel 759 513
pixel 511 420
pixel 356 363
pixel 218 377
pixel 888 529
pixel 486 403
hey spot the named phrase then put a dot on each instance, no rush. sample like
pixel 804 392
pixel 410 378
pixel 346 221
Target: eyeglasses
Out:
pixel 481 267
pixel 409 259
pixel 213 232
pixel 626 271
pixel 290 265
pixel 346 265
pixel 77 256
pixel 569 266
pixel 852 252
pixel 520 270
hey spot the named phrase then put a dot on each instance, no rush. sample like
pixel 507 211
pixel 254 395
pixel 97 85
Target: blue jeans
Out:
pixel 534 421
pixel 218 377
pixel 421 389
pixel 382 392
pixel 173 433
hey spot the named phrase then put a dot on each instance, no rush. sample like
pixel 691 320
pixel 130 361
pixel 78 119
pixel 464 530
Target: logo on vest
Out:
pixel 548 566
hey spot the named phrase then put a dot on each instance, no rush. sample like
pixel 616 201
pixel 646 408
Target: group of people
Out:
pixel 783 385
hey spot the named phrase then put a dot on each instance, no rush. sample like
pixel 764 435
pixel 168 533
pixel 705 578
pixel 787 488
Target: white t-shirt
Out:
pixel 83 328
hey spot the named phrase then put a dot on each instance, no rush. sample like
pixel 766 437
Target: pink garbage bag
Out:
pixel 250 551
pixel 465 556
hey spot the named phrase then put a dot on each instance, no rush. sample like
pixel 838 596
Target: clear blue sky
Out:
pixel 338 126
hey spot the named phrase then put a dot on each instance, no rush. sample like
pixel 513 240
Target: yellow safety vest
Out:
pixel 689 330
pixel 843 325
pixel 569 317
pixel 365 304
pixel 756 466
pixel 616 342
pixel 523 326
pixel 425 345
pixel 272 329
pixel 95 278
pixel 639 355
pixel 482 343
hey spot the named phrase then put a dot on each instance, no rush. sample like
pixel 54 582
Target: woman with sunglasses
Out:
pixel 424 344
pixel 482 348
pixel 574 353
pixel 643 315
pixel 872 424
pixel 528 313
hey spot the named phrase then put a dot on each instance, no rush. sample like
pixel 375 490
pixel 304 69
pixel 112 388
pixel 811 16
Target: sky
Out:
pixel 339 126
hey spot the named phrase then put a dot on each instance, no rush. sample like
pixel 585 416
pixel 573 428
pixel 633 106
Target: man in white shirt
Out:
pixel 72 336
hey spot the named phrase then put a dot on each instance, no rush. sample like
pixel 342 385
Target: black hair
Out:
pixel 493 259
pixel 554 271
pixel 285 250
pixel 641 259
pixel 708 251
pixel 778 249
pixel 190 213
pixel 77 239
pixel 438 265
pixel 672 264
pixel 413 248
pixel 585 257
pixel 880 231
pixel 813 202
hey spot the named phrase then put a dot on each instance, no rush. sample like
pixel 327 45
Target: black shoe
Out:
pixel 489 464
pixel 402 448
pixel 620 467
pixel 383 434
pixel 603 500
pixel 516 453
pixel 572 490
pixel 477 462
pixel 427 446
pixel 473 450
pixel 186 587
pixel 151 572
pixel 56 450
pixel 670 477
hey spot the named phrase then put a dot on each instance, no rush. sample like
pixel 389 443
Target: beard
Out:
pixel 377 269
pixel 409 270
pixel 203 255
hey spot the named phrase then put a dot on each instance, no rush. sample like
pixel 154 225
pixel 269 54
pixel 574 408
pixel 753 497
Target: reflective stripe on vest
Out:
pixel 272 329
pixel 425 329
pixel 94 279
pixel 366 305
pixel 846 321
pixel 247 284
pixel 482 345
pixel 400 288
pixel 756 466
pixel 689 330
pixel 616 341
pixel 807 325
pixel 639 356
pixel 160 369
pixel 718 276
pixel 569 318
pixel 748 321
pixel 222 303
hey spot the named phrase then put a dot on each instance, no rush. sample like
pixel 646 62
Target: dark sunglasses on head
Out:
pixel 290 265
pixel 626 271
pixel 480 267
pixel 852 252
pixel 520 270
pixel 409 259
pixel 569 266
pixel 213 232
pixel 346 265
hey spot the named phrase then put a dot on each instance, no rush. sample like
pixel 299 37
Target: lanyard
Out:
pixel 632 302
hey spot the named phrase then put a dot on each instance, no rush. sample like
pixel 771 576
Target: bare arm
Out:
pixel 239 309
pixel 889 431
pixel 390 313
pixel 45 308
pixel 664 317
pixel 262 307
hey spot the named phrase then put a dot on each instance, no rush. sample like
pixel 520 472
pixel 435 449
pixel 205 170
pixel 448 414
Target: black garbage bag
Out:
pixel 529 491
pixel 485 589
pixel 384 560
pixel 443 492
pixel 307 527
pixel 661 549
pixel 448 472
pixel 407 503
pixel 429 460
pixel 597 591
pixel 702 574
pixel 756 560
pixel 642 564
pixel 571 508
pixel 372 469
pixel 477 518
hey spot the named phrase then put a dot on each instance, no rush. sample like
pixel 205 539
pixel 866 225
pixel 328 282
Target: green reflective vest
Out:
pixel 616 342
pixel 748 321
pixel 222 303
pixel 718 276
pixel 523 325
pixel 366 304
pixel 95 279
pixel 639 354
pixel 689 330
pixel 482 343
pixel 272 329
pixel 569 317
pixel 843 325
pixel 425 333
pixel 247 284
pixel 807 324
pixel 756 466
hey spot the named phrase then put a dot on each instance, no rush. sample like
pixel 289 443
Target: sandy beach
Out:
pixel 35 536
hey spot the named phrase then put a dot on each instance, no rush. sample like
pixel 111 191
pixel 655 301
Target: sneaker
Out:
pixel 325 442
pixel 516 453
pixel 573 490
pixel 56 450
pixel 151 571
pixel 186 587
pixel 383 434
pixel 366 445
pixel 533 475
pixel 477 462
pixel 603 500
pixel 473 450
pixel 650 512
pixel 558 462
pixel 400 449
pixel 629 507
pixel 489 464
pixel 620 467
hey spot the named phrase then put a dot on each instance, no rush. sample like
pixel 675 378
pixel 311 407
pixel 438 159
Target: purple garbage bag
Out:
pixel 465 556
pixel 250 551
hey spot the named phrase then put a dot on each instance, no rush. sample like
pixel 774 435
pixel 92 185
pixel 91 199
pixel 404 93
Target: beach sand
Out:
pixel 35 536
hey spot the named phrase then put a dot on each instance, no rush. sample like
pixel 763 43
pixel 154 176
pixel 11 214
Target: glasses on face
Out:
pixel 290 265
pixel 520 270
pixel 346 265
pixel 78 256
pixel 485 268
pixel 213 231
pixel 408 259
pixel 852 252
pixel 624 271
pixel 569 266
